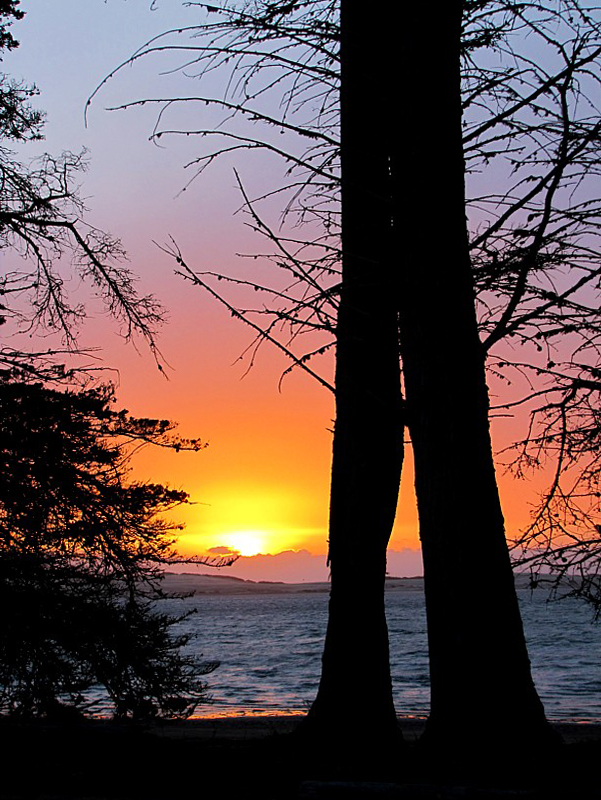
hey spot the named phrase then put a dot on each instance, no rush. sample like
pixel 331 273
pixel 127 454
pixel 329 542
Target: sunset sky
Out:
pixel 262 484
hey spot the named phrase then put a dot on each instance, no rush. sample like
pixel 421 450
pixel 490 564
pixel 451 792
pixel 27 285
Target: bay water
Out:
pixel 269 647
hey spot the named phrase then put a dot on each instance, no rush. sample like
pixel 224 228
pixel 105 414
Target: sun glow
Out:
pixel 247 543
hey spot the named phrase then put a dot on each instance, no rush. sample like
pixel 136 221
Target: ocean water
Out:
pixel 269 646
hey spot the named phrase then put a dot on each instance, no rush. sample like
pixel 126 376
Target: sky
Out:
pixel 261 486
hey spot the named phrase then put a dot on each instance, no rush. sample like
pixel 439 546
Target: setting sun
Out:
pixel 247 543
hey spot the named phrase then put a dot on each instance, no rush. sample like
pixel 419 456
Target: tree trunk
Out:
pixel 482 690
pixel 355 693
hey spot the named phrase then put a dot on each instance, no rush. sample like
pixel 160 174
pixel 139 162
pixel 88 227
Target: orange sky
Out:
pixel 263 482
pixel 264 477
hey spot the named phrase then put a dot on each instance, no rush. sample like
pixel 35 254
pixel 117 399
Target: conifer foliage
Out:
pixel 82 553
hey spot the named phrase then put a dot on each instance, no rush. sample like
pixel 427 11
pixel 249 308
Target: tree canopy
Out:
pixel 82 553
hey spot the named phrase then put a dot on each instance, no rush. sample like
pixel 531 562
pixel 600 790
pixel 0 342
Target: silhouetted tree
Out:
pixel 531 117
pixel 82 555
pixel 519 83
pixel 562 546
pixel 366 468
pixel 41 224
pixel 9 11
pixel 478 656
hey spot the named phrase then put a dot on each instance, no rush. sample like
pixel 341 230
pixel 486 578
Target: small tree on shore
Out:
pixel 82 554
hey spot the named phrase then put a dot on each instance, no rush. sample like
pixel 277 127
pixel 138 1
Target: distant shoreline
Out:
pixel 206 584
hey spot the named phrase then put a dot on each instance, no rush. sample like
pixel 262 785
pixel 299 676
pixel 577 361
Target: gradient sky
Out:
pixel 262 484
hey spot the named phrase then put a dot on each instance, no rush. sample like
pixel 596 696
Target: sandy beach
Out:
pixel 254 728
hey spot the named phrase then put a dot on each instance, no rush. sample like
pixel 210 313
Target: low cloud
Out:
pixel 404 563
pixel 290 566
pixel 301 566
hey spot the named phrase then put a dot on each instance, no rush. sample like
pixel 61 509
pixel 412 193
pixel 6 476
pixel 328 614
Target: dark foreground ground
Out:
pixel 262 757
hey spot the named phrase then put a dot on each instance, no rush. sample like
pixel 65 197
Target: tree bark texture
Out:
pixel 481 685
pixel 355 693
